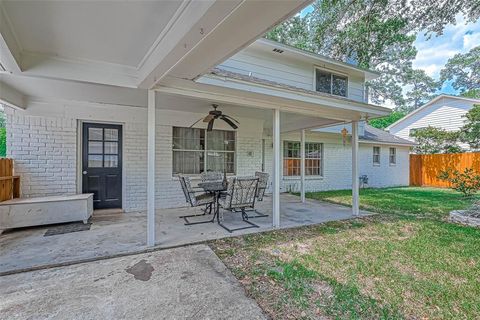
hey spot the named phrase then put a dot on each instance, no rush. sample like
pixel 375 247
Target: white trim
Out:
pixel 355 176
pixel 151 169
pixel 386 143
pixel 302 165
pixel 276 169
pixel 442 96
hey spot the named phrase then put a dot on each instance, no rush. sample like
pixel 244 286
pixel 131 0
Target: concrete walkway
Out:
pixel 183 283
pixel 114 234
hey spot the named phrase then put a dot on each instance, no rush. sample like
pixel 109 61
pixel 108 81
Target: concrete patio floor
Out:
pixel 115 234
pixel 182 283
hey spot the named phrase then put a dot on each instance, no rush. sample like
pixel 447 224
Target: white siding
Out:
pixel 446 113
pixel 294 72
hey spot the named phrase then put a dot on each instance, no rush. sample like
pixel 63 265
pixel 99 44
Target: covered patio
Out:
pixel 116 234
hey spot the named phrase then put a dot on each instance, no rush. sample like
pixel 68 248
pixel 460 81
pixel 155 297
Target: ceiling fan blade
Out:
pixel 208 118
pixel 195 122
pixel 210 125
pixel 234 120
pixel 233 125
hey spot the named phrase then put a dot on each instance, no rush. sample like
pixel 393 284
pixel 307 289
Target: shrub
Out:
pixel 466 182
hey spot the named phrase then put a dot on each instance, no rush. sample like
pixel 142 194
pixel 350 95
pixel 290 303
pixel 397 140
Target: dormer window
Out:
pixel 331 83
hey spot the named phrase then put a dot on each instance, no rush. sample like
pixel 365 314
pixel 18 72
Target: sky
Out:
pixel 433 53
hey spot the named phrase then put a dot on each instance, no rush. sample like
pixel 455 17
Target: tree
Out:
pixel 376 34
pixel 470 132
pixel 464 71
pixel 382 123
pixel 422 90
pixel 473 94
pixel 432 140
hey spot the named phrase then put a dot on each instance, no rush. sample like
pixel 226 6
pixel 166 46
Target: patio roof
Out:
pixel 130 44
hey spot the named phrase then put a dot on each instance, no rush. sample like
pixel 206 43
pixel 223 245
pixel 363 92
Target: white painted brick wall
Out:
pixel 43 142
pixel 338 165
pixel 44 153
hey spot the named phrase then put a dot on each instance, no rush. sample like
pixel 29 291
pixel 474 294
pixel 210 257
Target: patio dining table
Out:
pixel 216 188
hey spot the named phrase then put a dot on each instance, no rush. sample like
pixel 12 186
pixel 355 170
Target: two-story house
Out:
pixel 57 141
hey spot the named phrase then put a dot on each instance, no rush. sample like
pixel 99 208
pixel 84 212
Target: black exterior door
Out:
pixel 102 164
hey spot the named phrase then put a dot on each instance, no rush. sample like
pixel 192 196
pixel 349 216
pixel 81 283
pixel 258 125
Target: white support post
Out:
pixel 355 178
pixel 302 166
pixel 151 170
pixel 276 169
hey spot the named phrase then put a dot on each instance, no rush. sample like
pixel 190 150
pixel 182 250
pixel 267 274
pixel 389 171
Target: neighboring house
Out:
pixel 443 112
pixel 117 119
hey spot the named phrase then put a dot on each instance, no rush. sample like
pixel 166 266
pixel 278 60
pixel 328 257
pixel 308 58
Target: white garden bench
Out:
pixel 27 212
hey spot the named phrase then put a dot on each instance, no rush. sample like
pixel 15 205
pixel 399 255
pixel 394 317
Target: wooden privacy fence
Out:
pixel 425 168
pixel 9 184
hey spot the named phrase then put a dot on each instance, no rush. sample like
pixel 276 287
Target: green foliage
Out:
pixel 470 132
pixel 382 123
pixel 3 135
pixel 464 70
pixel 432 140
pixel 473 93
pixel 380 35
pixel 466 182
pixel 422 90
pixel 3 142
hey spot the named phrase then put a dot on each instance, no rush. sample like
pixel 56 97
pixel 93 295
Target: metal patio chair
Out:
pixel 240 196
pixel 196 200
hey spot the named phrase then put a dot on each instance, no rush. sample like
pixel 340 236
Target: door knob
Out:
pixel 84 172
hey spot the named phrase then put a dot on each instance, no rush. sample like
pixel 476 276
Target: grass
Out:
pixel 407 262
pixel 421 202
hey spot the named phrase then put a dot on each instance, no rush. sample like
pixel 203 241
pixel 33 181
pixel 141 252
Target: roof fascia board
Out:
pixel 289 94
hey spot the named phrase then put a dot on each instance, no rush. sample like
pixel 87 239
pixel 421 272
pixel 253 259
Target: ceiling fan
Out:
pixel 217 114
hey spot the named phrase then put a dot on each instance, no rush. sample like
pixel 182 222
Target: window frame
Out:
pixel 332 72
pixel 394 163
pixel 379 155
pixel 321 158
pixel 205 152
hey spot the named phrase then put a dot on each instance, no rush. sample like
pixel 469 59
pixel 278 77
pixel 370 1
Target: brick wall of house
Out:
pixel 43 142
pixel 44 149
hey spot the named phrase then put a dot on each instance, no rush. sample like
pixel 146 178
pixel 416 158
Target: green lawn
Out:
pixel 406 262
pixel 422 202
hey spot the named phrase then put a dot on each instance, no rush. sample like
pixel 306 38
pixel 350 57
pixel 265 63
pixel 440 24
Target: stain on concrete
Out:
pixel 142 270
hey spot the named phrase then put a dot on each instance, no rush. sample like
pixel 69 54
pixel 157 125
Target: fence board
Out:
pixel 425 168
pixel 9 184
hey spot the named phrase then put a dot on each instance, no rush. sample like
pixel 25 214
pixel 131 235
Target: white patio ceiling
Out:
pixel 130 43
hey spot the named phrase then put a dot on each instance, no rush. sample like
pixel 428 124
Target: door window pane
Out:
pixel 111 134
pixel 95 134
pixel 110 161
pixel 111 147
pixel 95 147
pixel 95 161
